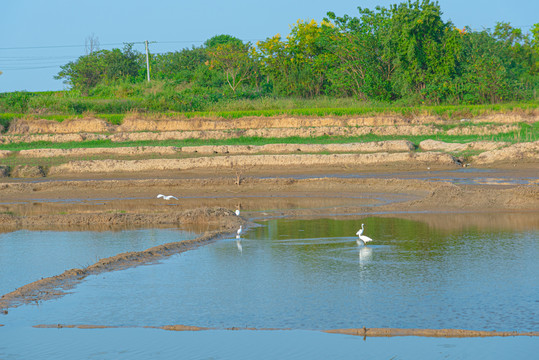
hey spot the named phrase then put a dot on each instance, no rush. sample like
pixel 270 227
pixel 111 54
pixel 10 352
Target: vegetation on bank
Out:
pixel 307 108
pixel 401 57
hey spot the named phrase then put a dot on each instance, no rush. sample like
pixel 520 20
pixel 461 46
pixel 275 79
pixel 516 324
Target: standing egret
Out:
pixel 239 230
pixel 360 231
pixel 237 212
pixel 364 239
pixel 167 197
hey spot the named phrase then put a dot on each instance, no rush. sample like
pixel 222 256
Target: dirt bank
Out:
pixel 365 332
pixel 240 162
pixel 515 153
pixel 448 333
pixel 137 123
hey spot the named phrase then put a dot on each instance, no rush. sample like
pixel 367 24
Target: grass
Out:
pixel 297 107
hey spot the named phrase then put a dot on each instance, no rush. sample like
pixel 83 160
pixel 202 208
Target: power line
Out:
pixel 31 68
pixel 108 44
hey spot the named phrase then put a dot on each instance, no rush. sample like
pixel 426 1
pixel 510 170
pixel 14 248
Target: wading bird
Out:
pixel 360 231
pixel 167 197
pixel 237 212
pixel 362 238
pixel 239 230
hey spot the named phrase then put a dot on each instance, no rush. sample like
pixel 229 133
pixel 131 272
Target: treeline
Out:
pixel 405 53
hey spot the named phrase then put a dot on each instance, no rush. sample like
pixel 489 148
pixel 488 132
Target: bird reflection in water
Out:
pixel 365 254
pixel 238 244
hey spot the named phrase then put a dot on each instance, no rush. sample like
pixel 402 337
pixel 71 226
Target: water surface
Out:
pixel 311 274
pixel 27 256
pixel 297 344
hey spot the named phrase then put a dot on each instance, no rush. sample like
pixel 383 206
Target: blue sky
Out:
pixel 53 32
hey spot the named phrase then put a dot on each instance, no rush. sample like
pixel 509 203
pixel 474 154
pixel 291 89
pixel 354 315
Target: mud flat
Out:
pixel 363 332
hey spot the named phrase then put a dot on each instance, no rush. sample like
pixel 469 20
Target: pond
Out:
pixel 311 274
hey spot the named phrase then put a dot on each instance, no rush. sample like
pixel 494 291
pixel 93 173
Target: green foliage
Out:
pixel 405 54
pixel 101 66
pixel 222 40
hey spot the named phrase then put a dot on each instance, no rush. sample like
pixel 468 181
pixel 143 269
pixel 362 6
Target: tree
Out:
pixel 100 66
pixel 221 40
pixel 233 60
pixel 179 65
pixel 364 67
pixel 417 45
pixel 297 66
pixel 91 44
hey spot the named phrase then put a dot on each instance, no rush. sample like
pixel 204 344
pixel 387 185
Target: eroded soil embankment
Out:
pixel 309 132
pixel 136 123
pixel 53 287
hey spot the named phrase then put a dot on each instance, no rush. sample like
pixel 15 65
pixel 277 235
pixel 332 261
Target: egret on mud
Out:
pixel 237 212
pixel 167 197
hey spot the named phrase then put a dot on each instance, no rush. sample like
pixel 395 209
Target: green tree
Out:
pixel 179 65
pixel 417 45
pixel 363 67
pixel 222 40
pixel 299 65
pixel 101 66
pixel 234 61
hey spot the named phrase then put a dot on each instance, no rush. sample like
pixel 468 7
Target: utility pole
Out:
pixel 147 61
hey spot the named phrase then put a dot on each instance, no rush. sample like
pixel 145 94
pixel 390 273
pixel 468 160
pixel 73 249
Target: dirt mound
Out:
pixel 483 130
pixel 121 151
pixel 134 124
pixel 4 153
pixel 434 145
pixel 247 161
pixel 378 146
pixel 27 171
pixel 509 118
pixel 42 126
pixel 4 171
pixel 513 153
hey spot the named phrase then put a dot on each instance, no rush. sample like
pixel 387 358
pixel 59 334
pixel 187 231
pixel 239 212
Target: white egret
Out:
pixel 237 212
pixel 360 231
pixel 167 197
pixel 364 239
pixel 239 230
